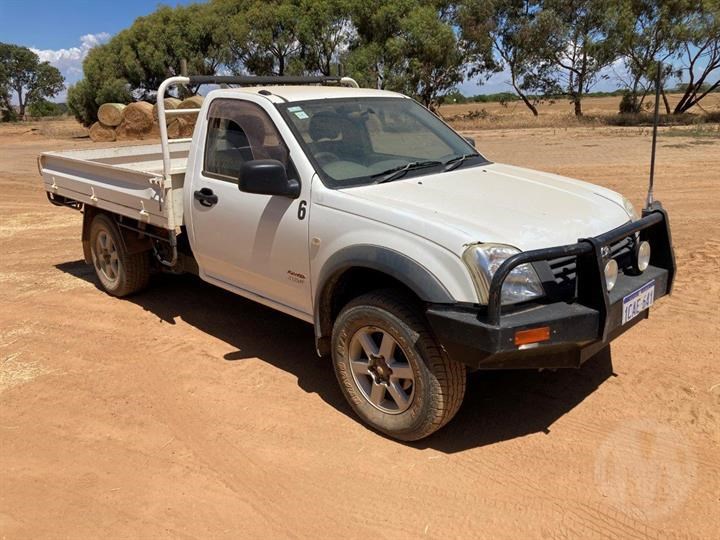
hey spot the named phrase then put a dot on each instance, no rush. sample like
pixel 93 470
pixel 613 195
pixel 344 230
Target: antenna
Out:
pixel 656 120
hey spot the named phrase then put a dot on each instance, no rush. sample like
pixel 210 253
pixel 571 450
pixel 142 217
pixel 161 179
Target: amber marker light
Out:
pixel 532 335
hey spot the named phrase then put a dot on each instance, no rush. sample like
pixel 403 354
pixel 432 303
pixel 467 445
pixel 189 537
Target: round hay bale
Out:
pixel 127 132
pixel 176 127
pixel 111 114
pixel 154 132
pixel 194 102
pixel 187 130
pixel 101 133
pixel 138 116
pixel 170 104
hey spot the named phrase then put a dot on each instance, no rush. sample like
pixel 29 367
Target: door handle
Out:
pixel 206 197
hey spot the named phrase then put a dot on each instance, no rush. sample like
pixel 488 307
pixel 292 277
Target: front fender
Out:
pixel 416 277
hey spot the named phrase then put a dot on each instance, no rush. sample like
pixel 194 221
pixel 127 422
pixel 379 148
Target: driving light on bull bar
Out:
pixel 642 256
pixel 611 274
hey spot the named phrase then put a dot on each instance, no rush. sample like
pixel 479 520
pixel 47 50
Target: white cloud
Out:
pixel 69 61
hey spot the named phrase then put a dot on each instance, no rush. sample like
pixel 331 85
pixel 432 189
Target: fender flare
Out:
pixel 415 276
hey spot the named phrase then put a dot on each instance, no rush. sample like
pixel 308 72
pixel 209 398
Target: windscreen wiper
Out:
pixel 454 163
pixel 397 172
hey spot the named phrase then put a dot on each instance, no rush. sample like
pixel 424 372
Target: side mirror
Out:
pixel 267 177
pixel 471 141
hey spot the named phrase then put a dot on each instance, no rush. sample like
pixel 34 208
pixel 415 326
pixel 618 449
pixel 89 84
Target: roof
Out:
pixel 283 93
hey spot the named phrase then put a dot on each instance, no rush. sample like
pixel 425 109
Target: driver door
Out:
pixel 256 245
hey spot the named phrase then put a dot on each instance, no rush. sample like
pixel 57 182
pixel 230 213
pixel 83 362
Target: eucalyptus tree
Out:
pixel 24 75
pixel 509 36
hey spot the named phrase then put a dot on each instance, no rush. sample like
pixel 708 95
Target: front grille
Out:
pixel 564 268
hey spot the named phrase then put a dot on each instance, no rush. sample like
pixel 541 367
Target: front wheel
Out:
pixel 391 370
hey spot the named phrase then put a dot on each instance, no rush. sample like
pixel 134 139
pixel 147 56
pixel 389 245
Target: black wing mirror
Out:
pixel 267 177
pixel 470 141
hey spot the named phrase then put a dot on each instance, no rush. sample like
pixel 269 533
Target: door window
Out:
pixel 240 131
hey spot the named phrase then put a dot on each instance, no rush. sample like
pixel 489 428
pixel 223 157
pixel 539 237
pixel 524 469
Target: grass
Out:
pixel 705 131
pixel 599 111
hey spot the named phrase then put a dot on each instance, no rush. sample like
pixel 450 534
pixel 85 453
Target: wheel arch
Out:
pixel 355 270
pixel 132 243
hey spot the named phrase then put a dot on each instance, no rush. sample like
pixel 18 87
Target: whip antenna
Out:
pixel 656 120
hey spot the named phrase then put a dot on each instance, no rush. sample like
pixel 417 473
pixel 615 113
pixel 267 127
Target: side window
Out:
pixel 240 131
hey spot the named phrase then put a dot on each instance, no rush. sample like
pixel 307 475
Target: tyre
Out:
pixel 119 272
pixel 390 368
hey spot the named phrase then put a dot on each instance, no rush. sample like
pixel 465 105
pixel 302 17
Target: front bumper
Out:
pixel 484 338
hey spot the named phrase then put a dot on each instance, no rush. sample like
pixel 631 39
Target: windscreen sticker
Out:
pixel 294 109
pixel 302 115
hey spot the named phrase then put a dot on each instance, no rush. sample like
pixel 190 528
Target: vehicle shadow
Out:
pixel 499 405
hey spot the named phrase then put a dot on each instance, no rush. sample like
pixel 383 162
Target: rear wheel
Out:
pixel 120 273
pixel 390 368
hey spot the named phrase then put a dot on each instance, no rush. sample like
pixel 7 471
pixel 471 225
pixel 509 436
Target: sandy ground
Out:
pixel 187 412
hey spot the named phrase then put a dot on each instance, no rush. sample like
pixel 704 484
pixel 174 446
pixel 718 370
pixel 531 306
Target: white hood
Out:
pixel 493 203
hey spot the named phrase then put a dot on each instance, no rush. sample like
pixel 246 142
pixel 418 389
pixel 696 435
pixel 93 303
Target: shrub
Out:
pixel 629 104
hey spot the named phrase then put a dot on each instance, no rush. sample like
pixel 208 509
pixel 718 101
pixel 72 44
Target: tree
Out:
pixel 581 46
pixel 700 52
pixel 265 38
pixel 508 35
pixel 407 46
pixel 324 32
pixel 44 107
pixel 649 32
pixel 30 79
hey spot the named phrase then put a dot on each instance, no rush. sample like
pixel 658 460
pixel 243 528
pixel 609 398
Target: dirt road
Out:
pixel 187 412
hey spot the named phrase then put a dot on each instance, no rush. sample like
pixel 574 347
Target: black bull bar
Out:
pixel 592 291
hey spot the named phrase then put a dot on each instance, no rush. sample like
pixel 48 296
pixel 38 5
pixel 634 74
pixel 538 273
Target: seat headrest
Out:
pixel 324 125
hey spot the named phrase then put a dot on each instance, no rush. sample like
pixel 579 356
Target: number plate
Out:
pixel 638 301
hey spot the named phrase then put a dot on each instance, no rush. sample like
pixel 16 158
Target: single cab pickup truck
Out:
pixel 413 255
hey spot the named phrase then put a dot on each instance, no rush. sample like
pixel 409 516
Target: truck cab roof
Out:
pixel 288 93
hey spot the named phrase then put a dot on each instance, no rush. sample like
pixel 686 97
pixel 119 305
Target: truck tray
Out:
pixel 126 180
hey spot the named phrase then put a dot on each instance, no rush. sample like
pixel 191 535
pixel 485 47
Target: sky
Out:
pixel 63 31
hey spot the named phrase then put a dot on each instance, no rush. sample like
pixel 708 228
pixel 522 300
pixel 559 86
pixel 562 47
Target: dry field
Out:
pixel 187 412
pixel 554 114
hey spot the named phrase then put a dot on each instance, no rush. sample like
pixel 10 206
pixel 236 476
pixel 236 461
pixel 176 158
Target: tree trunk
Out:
pixel 21 102
pixel 665 101
pixel 529 105
pixel 577 102
pixel 526 101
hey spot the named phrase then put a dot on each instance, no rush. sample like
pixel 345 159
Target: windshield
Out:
pixel 371 140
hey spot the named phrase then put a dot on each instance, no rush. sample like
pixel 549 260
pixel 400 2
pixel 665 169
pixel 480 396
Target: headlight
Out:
pixel 630 209
pixel 483 260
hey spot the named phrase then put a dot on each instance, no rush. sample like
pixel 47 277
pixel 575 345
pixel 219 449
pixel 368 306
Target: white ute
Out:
pixel 359 211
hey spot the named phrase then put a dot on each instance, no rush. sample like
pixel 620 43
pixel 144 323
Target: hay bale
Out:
pixel 170 104
pixel 101 133
pixel 176 128
pixel 138 117
pixel 194 102
pixel 187 130
pixel 111 114
pixel 128 132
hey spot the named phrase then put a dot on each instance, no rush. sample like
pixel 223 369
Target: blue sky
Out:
pixel 63 31
pixel 59 24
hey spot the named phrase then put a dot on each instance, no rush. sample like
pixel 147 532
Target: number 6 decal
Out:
pixel 302 210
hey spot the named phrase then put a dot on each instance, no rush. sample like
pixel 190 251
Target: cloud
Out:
pixel 69 61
